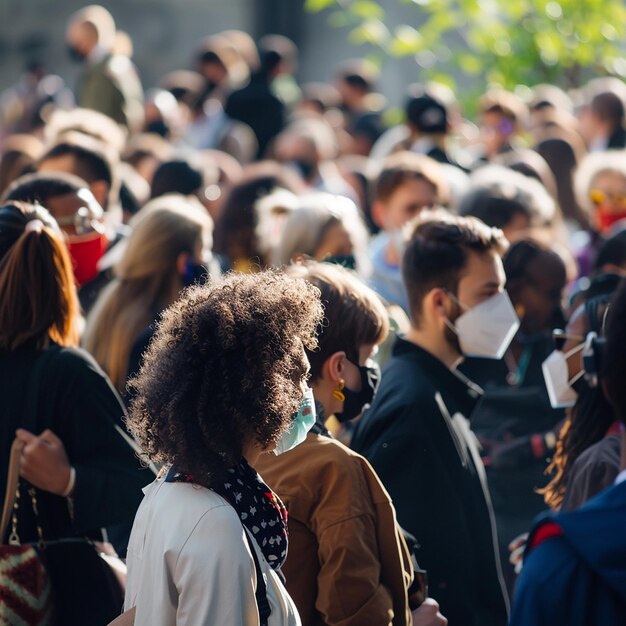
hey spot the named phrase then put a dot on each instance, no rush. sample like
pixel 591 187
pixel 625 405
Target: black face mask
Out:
pixel 305 168
pixel 345 260
pixel 195 274
pixel 159 127
pixel 75 54
pixel 356 400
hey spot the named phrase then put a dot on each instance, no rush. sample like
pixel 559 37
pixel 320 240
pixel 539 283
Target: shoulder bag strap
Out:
pixel 261 590
pixel 28 421
pixel 13 478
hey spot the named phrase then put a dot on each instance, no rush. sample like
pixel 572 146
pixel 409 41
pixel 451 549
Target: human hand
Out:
pixel 516 548
pixel 428 614
pixel 44 462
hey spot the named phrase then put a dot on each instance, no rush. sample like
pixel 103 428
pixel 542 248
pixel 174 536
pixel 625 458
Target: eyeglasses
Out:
pixel 599 197
pixel 85 220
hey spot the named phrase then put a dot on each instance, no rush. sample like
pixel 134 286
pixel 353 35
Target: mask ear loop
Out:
pixel 574 350
pixel 570 353
pixel 463 308
pixel 455 299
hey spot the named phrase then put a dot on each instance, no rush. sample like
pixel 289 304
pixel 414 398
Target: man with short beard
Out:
pixel 416 433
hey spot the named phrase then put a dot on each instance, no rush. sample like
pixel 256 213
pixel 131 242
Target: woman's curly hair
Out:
pixel 226 366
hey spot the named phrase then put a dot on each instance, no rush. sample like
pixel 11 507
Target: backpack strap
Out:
pixel 261 589
pixel 548 530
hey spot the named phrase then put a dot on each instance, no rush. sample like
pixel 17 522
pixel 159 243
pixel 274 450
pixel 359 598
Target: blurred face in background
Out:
pixel 539 295
pixel 608 195
pixel 405 203
pixel 334 242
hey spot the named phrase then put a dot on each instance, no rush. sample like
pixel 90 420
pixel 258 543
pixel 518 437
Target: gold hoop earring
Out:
pixel 338 393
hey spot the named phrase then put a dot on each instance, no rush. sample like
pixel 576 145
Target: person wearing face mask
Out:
pixel 83 220
pixel 589 447
pixel 308 146
pixel 416 434
pixel 406 184
pixel 222 382
pixel 169 249
pixel 574 566
pixel 108 83
pixel 515 422
pixel 348 563
pixel 600 184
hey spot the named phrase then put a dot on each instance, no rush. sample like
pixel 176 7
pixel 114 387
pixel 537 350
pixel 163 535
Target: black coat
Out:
pixel 77 402
pixel 427 459
pixel 256 106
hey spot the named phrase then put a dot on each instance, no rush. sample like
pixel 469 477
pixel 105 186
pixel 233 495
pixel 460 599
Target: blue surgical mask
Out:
pixel 301 425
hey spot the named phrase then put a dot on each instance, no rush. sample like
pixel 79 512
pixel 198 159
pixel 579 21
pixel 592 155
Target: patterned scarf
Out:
pixel 259 508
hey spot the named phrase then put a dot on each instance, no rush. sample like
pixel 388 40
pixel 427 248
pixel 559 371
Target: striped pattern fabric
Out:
pixel 25 593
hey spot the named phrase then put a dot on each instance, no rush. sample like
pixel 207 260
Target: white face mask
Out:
pixel 487 329
pixel 556 376
pixel 301 425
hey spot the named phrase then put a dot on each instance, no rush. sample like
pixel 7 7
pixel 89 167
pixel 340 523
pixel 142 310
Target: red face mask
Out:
pixel 86 251
pixel 607 219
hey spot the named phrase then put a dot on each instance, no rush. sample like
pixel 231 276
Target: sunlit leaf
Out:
pixel 372 32
pixel 367 9
pixel 318 5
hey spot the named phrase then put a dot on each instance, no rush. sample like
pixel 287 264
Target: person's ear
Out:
pixel 379 213
pixel 100 191
pixel 437 303
pixel 334 366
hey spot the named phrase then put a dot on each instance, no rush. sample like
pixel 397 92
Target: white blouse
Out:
pixel 189 563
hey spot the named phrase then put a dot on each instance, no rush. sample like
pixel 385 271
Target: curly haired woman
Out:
pixel 220 384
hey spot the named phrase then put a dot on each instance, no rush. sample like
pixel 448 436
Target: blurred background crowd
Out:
pixel 231 162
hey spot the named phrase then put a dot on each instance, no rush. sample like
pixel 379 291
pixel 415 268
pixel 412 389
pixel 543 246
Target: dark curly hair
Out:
pixel 226 365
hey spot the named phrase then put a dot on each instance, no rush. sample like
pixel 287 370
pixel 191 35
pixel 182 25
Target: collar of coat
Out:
pixel 460 394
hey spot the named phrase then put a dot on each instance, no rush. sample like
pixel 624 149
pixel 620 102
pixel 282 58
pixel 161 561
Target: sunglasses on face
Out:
pixel 599 197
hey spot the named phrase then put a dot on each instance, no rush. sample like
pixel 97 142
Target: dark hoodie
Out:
pixel 576 574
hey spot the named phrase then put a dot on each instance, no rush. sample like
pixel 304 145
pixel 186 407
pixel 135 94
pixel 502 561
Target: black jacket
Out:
pixel 76 401
pixel 256 106
pixel 428 460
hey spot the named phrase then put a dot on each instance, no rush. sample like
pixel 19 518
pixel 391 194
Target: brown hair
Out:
pixel 504 103
pixel 354 316
pixel 437 253
pixel 403 166
pixel 38 299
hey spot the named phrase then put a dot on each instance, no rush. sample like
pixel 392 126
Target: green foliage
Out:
pixel 504 42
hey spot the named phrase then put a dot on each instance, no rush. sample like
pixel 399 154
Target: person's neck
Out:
pixel 322 394
pixel 436 344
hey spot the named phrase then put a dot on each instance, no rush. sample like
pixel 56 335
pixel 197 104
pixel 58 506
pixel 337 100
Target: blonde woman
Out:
pixel 325 227
pixel 168 249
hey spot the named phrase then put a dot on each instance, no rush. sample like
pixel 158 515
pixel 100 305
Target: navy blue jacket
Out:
pixel 579 577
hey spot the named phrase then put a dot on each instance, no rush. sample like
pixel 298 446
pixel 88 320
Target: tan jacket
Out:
pixel 348 564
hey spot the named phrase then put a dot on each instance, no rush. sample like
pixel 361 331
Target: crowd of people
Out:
pixel 297 366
